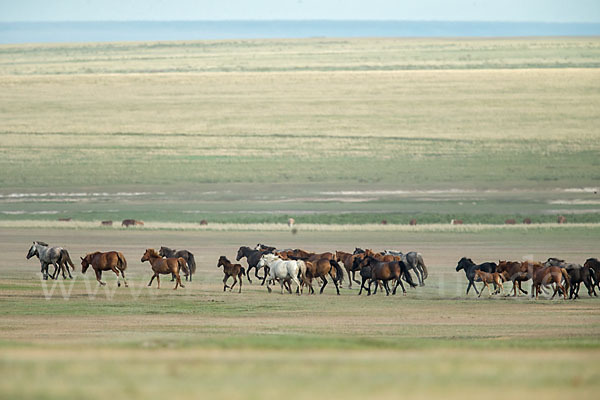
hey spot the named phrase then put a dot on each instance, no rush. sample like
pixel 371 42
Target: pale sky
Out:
pixel 175 10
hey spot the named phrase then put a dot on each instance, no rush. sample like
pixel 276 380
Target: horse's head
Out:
pixel 463 263
pixel 150 253
pixel 85 263
pixel 241 253
pixel 358 250
pixel 33 251
pixel 163 251
pixel 222 261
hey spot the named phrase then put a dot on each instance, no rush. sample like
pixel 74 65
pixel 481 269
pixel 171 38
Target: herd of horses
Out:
pixel 563 277
pixel 387 270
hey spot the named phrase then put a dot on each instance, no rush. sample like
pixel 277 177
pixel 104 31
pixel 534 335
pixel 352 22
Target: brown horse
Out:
pixel 320 269
pixel 165 266
pixel 487 278
pixel 548 276
pixel 129 222
pixel 110 261
pixel 347 260
pixel 515 272
pixel 232 270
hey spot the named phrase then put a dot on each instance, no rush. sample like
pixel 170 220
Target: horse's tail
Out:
pixel 243 271
pixel 122 261
pixel 183 265
pixel 422 264
pixel 567 279
pixel 65 258
pixel 191 263
pixel 339 272
pixel 407 276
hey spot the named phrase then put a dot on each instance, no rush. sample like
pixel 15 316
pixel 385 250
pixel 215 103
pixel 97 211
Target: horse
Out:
pixel 515 272
pixel 129 222
pixel 320 269
pixel 385 271
pixel 164 266
pixel 57 256
pixel 548 275
pixel 186 255
pixel 252 257
pixel 347 260
pixel 232 270
pixel 470 267
pixel 414 261
pixel 577 274
pixel 111 260
pixel 283 270
pixel 486 277
pixel 264 247
pixel 594 265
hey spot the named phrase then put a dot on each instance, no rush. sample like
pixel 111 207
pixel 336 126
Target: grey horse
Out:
pixel 56 256
pixel 186 255
pixel 414 261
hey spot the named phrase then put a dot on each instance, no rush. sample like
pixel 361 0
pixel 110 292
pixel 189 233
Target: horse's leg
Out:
pixel 336 286
pixel 116 271
pixel 265 268
pixel 178 281
pixel 399 282
pixel 386 287
pixel 234 282
pixel 124 280
pixel 158 281
pixel 151 279
pixel 521 289
pixel 241 277
pixel 225 282
pixel 362 285
pixel 173 277
pixel 376 285
pixel 324 284
pixel 354 277
pixel 56 272
pixel 248 273
pixel 99 277
pixel 469 286
pixel 297 282
pixel 268 281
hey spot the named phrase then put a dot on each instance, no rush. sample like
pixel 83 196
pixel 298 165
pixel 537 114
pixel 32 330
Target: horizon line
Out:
pixel 304 20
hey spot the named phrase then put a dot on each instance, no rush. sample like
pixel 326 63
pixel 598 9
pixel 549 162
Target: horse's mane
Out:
pixel 153 253
pixel 42 243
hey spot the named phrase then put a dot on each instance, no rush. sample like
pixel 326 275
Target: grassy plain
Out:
pixel 77 340
pixel 325 131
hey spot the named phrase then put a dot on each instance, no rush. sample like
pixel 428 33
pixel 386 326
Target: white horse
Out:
pixel 283 270
pixel 56 256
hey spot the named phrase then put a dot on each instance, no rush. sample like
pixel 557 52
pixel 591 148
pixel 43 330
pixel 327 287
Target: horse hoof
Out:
pixel 118 284
pixel 182 286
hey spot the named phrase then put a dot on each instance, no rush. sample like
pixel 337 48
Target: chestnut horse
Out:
pixel 232 270
pixel 110 261
pixel 549 275
pixel 320 269
pixel 347 260
pixel 165 266
pixel 486 277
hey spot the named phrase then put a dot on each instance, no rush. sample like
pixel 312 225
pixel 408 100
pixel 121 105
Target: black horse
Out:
pixel 594 265
pixel 470 267
pixel 252 257
pixel 186 255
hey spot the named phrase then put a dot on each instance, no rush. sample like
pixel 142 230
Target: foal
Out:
pixel 486 277
pixel 232 270
pixel 165 266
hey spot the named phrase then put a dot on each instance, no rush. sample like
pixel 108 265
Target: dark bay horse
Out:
pixel 231 270
pixel 56 256
pixel 594 265
pixel 386 271
pixel 110 261
pixel 577 275
pixel 470 267
pixel 164 266
pixel 185 254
